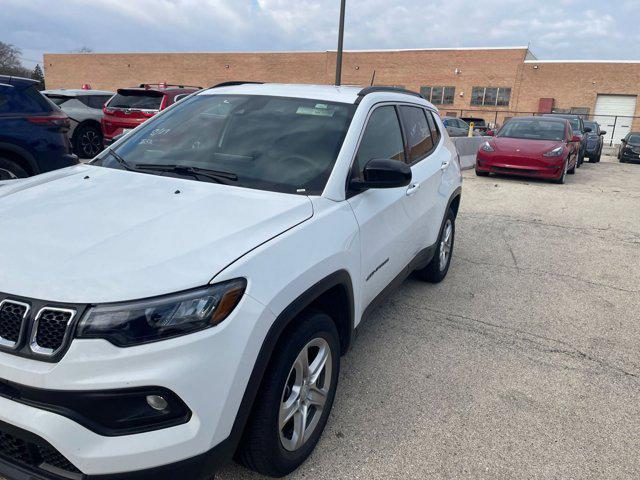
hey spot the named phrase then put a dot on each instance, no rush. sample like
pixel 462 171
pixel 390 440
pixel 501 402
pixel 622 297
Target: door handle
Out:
pixel 412 189
pixel 444 165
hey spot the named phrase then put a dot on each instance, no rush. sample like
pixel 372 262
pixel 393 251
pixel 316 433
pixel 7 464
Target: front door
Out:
pixel 384 218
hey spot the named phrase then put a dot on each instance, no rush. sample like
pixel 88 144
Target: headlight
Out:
pixel 486 147
pixel 556 152
pixel 144 321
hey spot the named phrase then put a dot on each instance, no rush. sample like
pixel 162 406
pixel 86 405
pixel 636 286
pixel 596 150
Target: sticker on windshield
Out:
pixel 321 110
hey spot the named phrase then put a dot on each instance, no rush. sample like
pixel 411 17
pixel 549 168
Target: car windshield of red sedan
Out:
pixel 533 130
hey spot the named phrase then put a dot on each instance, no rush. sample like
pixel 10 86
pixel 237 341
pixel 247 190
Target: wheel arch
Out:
pixel 21 156
pixel 454 202
pixel 333 295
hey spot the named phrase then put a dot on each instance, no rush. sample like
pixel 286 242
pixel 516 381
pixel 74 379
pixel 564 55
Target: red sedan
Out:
pixel 542 147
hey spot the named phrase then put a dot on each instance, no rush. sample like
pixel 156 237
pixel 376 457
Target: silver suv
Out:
pixel 84 109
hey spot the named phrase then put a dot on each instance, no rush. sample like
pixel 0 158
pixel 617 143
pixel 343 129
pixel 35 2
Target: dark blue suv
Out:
pixel 33 131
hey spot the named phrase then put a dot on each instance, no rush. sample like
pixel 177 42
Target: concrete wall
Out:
pixel 467 149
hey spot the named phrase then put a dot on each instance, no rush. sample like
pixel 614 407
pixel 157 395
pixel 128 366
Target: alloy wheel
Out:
pixel 90 143
pixel 305 394
pixel 445 244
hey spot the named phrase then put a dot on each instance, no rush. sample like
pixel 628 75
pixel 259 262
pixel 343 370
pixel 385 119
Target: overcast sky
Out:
pixel 555 29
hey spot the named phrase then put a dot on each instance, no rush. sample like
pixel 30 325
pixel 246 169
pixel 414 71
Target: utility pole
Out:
pixel 340 43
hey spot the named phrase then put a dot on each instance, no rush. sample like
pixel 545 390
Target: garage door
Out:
pixel 610 106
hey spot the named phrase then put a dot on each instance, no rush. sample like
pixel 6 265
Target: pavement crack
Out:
pixel 546 272
pixel 510 337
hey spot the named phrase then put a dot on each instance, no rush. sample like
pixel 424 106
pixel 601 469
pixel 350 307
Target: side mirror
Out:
pixel 490 133
pixel 383 173
pixel 624 140
pixel 587 129
pixel 603 132
pixel 576 138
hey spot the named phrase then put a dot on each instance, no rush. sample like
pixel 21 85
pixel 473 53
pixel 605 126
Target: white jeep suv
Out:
pixel 186 297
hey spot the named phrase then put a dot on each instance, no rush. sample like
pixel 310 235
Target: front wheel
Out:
pixel 295 398
pixel 563 176
pixel 438 267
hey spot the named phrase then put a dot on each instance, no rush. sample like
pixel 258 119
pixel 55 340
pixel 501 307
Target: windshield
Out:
pixel 270 143
pixel 140 101
pixel 635 139
pixel 533 130
pixel 592 125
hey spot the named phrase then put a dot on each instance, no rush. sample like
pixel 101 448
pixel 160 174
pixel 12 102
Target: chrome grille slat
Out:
pixel 50 330
pixel 12 316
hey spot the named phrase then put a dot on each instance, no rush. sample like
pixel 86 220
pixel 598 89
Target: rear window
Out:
pixel 24 100
pixel 58 100
pixel 137 100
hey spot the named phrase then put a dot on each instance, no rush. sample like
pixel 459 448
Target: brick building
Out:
pixel 493 83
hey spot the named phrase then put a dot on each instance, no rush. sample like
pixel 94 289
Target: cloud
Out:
pixel 554 28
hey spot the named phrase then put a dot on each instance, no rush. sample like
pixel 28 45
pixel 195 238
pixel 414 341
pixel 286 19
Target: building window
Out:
pixel 439 95
pixel 490 96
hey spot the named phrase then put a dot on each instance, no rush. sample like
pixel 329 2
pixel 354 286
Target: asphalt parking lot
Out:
pixel 523 363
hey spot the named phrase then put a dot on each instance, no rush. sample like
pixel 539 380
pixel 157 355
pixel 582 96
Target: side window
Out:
pixel 433 126
pixel 418 133
pixel 382 138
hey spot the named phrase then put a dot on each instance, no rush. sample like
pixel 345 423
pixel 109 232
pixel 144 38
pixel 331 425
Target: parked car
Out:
pixel 630 148
pixel 456 127
pixel 579 129
pixel 33 131
pixel 132 106
pixel 84 109
pixel 228 249
pixel 595 141
pixel 542 147
pixel 481 126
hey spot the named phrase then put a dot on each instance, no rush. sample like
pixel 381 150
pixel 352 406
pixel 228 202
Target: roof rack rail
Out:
pixel 165 85
pixel 367 90
pixel 236 82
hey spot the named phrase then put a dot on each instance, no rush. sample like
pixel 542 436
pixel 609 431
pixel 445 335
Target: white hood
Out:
pixel 121 235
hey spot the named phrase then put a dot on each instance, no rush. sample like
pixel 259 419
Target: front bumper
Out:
pixel 548 168
pixel 208 370
pixel 630 157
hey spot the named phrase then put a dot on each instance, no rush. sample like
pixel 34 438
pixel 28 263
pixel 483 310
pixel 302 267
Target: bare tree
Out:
pixel 10 63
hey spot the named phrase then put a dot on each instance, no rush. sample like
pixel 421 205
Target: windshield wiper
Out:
pixel 215 175
pixel 120 160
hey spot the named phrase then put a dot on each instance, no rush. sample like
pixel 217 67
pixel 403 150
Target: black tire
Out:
pixel 87 141
pixel 563 177
pixel 482 174
pixel 572 171
pixel 434 272
pixel 11 170
pixel 261 448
